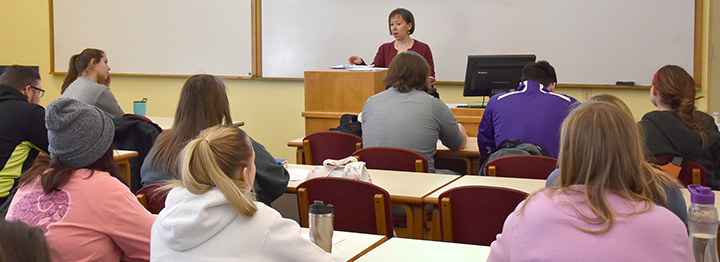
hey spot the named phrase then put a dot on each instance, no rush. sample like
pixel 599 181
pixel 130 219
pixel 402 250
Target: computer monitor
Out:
pixel 487 75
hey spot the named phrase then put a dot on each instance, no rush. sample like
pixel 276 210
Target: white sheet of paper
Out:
pixel 298 174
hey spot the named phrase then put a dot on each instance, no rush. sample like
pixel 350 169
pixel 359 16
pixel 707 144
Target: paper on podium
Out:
pixel 358 67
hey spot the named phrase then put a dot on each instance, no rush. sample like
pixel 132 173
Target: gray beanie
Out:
pixel 78 133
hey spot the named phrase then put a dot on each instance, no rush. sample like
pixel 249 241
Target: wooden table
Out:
pixel 413 250
pixel 353 244
pixel 121 159
pixel 522 184
pixel 166 122
pixel 407 190
pixel 470 154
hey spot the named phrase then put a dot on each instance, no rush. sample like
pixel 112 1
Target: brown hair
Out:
pixel 78 64
pixel 58 174
pixel 601 148
pixel 18 77
pixel 676 88
pixel 408 71
pixel 212 159
pixel 614 100
pixel 203 103
pixel 20 242
pixel 406 15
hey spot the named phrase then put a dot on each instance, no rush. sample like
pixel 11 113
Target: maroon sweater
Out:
pixel 387 52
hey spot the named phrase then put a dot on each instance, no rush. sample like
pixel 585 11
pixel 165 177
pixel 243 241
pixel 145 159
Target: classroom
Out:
pixel 270 101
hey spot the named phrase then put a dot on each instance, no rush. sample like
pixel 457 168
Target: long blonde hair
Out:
pixel 212 159
pixel 601 148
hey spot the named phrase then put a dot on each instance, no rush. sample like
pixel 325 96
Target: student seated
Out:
pixel 20 242
pixel 677 128
pixel 84 209
pixel 210 215
pixel 406 116
pixel 602 208
pixel 675 199
pixel 88 80
pixel 204 103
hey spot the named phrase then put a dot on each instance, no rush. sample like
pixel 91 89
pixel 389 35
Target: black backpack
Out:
pixel 510 148
pixel 349 124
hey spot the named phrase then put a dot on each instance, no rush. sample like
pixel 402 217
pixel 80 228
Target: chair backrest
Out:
pixel 691 172
pixel 319 146
pixel 476 214
pixel 359 206
pixel 521 166
pixel 392 158
pixel 153 198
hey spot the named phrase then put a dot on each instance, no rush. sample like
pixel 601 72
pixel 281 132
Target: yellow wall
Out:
pixel 270 109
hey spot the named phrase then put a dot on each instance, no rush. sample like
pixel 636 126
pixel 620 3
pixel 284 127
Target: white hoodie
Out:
pixel 205 227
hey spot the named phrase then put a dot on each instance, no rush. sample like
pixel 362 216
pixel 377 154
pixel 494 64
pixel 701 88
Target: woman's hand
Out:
pixel 355 60
pixel 107 81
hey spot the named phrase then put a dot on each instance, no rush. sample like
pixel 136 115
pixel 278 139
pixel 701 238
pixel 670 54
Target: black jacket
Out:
pixel 666 134
pixel 137 134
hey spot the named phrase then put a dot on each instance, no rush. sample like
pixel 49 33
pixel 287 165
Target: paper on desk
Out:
pixel 350 66
pixel 335 240
pixel 298 174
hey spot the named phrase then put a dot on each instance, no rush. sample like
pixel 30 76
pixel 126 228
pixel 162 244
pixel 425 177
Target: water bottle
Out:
pixel 321 225
pixel 703 223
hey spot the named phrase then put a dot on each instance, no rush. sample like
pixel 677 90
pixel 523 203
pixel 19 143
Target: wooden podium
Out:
pixel 331 93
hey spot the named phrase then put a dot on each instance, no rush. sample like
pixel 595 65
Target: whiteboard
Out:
pixel 159 37
pixel 587 41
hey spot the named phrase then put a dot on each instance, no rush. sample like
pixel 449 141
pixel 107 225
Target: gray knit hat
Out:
pixel 78 133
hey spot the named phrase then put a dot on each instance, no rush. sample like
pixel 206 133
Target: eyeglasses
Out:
pixel 42 92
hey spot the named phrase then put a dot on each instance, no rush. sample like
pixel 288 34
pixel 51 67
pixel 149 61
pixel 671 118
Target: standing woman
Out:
pixel 204 103
pixel 88 80
pixel 676 128
pixel 602 207
pixel 210 215
pixel 84 209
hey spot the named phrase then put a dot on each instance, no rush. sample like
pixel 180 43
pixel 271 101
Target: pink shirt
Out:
pixel 545 231
pixel 88 219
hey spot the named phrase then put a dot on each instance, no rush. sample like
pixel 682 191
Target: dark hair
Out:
pixel 406 15
pixel 58 174
pixel 20 242
pixel 18 77
pixel 78 64
pixel 408 71
pixel 203 103
pixel 676 88
pixel 541 72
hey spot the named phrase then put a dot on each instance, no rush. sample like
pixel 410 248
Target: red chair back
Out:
pixel 392 158
pixel 155 198
pixel 329 144
pixel 521 166
pixel 476 214
pixel 359 206
pixel 691 172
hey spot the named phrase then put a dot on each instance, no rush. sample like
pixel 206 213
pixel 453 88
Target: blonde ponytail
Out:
pixel 212 160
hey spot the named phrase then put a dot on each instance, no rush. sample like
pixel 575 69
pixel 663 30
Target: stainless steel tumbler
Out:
pixel 321 225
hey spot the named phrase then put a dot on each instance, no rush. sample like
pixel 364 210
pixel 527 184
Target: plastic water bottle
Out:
pixel 703 223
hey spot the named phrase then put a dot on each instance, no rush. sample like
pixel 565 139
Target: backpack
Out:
pixel 511 148
pixel 349 124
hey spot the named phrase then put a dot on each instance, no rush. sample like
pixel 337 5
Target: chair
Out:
pixel 319 146
pixel 691 172
pixel 521 166
pixel 476 214
pixel 392 158
pixel 359 206
pixel 151 198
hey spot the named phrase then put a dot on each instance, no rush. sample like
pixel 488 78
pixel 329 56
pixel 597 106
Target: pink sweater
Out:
pixel 545 231
pixel 88 219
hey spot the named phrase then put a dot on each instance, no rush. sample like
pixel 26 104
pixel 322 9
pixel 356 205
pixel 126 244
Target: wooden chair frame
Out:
pixel 379 200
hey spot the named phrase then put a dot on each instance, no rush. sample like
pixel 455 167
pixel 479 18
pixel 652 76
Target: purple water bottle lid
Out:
pixel 701 195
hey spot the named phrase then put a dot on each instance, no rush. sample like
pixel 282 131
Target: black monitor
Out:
pixel 487 75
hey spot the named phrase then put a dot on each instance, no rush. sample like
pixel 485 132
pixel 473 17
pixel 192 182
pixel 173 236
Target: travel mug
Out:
pixel 321 225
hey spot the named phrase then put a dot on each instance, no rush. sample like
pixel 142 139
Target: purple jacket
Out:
pixel 531 114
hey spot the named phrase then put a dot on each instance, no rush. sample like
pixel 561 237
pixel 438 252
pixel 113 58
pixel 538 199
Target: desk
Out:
pixel 403 249
pixel 166 122
pixel 121 159
pixel 522 184
pixel 353 245
pixel 407 190
pixel 470 154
